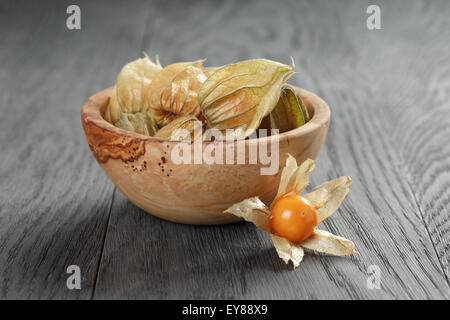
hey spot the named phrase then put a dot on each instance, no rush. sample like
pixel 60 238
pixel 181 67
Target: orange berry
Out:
pixel 293 218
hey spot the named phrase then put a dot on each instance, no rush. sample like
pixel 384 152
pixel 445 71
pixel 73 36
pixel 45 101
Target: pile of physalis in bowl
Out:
pixel 291 219
pixel 245 96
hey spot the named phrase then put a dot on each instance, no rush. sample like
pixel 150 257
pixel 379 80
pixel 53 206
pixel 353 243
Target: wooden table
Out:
pixel 389 93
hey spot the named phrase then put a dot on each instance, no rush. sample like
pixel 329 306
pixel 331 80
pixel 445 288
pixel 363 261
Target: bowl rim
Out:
pixel 91 114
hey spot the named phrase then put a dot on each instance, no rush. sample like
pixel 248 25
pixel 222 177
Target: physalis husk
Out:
pixel 182 128
pixel 240 95
pixel 290 112
pixel 325 199
pixel 173 92
pixel 130 96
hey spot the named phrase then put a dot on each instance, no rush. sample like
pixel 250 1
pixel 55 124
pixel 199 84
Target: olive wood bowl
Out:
pixel 141 166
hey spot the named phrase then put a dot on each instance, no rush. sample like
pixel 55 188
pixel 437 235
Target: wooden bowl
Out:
pixel 142 169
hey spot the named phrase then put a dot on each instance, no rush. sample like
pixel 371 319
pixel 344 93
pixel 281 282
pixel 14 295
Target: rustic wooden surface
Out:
pixel 389 93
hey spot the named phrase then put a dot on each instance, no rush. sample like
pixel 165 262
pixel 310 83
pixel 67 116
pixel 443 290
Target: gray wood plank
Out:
pixel 367 77
pixel 54 198
pixel 421 121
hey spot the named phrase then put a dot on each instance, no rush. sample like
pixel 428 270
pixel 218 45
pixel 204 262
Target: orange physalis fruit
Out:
pixel 293 218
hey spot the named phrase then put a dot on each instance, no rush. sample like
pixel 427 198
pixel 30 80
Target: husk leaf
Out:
pixel 288 251
pixel 174 90
pixel 289 112
pixel 139 122
pixel 326 242
pixel 294 178
pixel 240 95
pixel 130 93
pixel 252 210
pixel 327 197
pixel 181 128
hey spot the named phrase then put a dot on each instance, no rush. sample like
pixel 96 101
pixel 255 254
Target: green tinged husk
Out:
pixel 290 112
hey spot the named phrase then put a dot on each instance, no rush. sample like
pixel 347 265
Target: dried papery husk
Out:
pixel 107 114
pixel 173 92
pixel 208 71
pixel 164 117
pixel 288 251
pixel 265 124
pixel 239 96
pixel 303 107
pixel 252 210
pixel 187 128
pixel 264 128
pixel 326 242
pixel 295 178
pixel 113 111
pixel 139 122
pixel 290 112
pixel 130 94
pixel 328 196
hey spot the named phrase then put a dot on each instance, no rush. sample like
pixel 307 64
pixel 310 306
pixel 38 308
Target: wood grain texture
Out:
pixel 388 91
pixel 367 77
pixel 421 121
pixel 54 198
